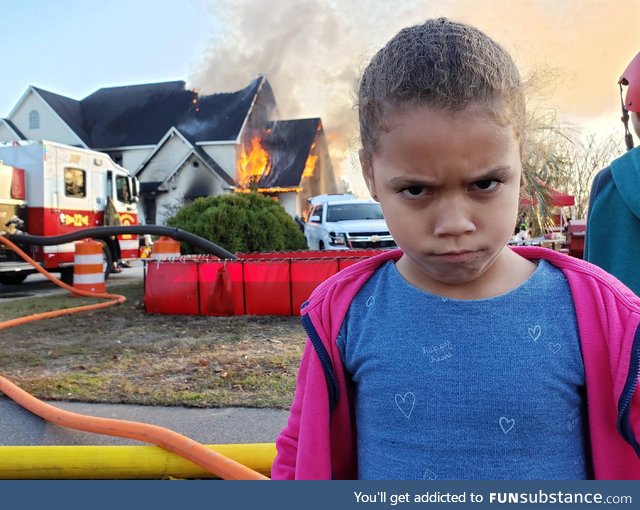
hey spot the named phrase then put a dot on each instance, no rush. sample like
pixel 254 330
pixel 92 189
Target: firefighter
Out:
pixel 613 219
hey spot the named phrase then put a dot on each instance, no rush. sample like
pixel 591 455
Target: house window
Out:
pixel 75 182
pixel 34 119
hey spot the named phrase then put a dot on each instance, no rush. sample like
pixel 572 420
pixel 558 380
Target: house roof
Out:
pixel 288 143
pixel 141 114
pixel 193 149
pixel 14 128
pixel 69 110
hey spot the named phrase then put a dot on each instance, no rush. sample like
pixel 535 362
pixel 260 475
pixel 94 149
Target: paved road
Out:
pixel 208 426
pixel 37 285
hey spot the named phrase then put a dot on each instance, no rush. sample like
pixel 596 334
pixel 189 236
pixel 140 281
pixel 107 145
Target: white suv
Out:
pixel 343 223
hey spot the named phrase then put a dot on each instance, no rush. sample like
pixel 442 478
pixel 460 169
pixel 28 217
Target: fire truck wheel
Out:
pixel 13 278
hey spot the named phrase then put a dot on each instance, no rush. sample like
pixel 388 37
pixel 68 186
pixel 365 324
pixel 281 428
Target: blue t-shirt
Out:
pixel 467 389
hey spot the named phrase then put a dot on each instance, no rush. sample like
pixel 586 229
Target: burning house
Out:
pixel 182 145
pixel 289 162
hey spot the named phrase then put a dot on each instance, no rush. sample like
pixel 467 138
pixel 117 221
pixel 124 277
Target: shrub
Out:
pixel 240 222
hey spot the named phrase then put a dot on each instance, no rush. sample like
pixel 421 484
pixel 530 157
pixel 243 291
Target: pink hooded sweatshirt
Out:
pixel 319 441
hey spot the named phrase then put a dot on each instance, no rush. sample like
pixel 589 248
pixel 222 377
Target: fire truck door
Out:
pixel 109 186
pixel 95 199
pixel 53 178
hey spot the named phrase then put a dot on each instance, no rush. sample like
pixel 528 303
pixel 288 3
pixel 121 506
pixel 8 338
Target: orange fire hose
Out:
pixel 115 298
pixel 197 453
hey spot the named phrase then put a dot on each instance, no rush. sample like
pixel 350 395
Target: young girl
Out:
pixel 456 357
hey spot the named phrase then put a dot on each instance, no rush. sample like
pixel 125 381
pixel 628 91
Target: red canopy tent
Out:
pixel 556 199
pixel 559 199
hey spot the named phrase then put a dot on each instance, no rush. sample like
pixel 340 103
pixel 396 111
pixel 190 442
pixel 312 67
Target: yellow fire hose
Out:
pixel 120 462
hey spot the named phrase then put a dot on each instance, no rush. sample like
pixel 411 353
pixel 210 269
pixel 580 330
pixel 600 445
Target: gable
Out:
pixel 170 153
pixel 193 178
pixel 163 161
pixel 50 126
pixel 69 110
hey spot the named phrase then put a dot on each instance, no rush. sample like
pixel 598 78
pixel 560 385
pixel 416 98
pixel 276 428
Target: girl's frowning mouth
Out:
pixel 458 255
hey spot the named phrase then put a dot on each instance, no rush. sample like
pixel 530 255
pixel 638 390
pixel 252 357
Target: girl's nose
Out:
pixel 453 220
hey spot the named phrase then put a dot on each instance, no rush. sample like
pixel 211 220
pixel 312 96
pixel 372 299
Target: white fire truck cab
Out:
pixel 51 189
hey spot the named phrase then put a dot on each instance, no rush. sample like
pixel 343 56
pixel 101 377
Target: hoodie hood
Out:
pixel 626 176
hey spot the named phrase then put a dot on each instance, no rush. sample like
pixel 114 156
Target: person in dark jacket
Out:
pixel 613 220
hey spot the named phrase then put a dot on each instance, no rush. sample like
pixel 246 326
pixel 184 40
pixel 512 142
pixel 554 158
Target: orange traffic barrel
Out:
pixel 88 268
pixel 165 248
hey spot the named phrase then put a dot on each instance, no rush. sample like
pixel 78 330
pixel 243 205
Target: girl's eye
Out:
pixel 486 185
pixel 413 191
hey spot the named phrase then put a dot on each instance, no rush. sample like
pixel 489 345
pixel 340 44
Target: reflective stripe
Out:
pixel 88 259
pixel 60 248
pixel 128 245
pixel 88 278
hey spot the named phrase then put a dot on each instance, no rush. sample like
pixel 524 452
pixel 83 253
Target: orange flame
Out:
pixel 252 165
pixel 310 165
pixel 291 189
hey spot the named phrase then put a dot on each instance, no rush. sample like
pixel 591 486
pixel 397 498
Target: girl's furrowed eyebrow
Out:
pixel 494 174
pixel 498 173
pixel 408 182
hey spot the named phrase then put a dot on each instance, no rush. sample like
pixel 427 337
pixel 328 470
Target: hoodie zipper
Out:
pixel 325 359
pixel 624 404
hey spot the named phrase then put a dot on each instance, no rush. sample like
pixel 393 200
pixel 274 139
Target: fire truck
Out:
pixel 51 189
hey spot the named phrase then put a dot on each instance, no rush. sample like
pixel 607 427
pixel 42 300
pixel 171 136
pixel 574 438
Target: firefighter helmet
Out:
pixel 631 78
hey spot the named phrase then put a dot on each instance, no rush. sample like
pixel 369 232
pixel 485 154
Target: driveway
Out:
pixel 208 426
pixel 37 285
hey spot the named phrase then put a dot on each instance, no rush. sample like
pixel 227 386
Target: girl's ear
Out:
pixel 367 173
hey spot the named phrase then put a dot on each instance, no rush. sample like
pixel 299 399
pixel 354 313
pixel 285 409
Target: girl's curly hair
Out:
pixel 442 64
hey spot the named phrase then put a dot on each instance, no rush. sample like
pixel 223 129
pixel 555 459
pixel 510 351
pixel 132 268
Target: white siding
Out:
pixel 6 134
pixel 51 126
pixel 165 160
pixel 188 182
pixel 224 155
pixel 289 202
pixel 133 158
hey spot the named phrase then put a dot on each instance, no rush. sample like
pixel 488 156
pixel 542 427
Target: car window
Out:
pixel 317 212
pixel 344 212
